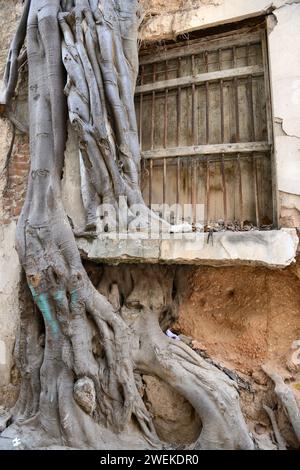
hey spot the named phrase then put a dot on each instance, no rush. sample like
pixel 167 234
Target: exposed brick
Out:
pixel 19 166
pixel 18 172
pixel 17 176
pixel 16 211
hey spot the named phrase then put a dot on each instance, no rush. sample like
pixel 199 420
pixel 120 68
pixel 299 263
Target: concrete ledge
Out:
pixel 274 249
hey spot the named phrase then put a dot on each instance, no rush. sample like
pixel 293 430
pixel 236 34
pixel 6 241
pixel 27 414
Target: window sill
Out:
pixel 273 249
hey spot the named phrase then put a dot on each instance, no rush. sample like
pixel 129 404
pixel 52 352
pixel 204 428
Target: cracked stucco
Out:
pixel 167 23
pixel 284 50
pixel 284 41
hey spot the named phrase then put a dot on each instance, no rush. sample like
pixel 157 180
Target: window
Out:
pixel 205 126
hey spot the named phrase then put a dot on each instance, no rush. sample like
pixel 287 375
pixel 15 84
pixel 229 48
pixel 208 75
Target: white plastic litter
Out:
pixel 172 335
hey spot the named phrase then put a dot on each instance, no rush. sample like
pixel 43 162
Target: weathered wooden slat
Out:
pixel 241 199
pixel 194 189
pixel 207 189
pixel 251 108
pixel 267 86
pixel 194 107
pixel 256 195
pixel 152 119
pixel 166 118
pixel 153 109
pixel 150 182
pixel 195 48
pixel 242 147
pixel 178 181
pixel 166 108
pixel 165 181
pixel 222 111
pixel 207 112
pixel 236 98
pixel 224 189
pixel 141 112
pixel 228 74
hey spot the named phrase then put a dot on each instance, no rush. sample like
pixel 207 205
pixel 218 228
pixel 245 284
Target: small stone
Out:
pixel 260 428
pixel 85 395
pixel 260 378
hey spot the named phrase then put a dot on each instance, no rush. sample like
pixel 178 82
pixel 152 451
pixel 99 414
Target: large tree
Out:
pixel 82 358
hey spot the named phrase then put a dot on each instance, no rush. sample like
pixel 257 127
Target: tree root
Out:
pixel 279 439
pixel 74 393
pixel 286 397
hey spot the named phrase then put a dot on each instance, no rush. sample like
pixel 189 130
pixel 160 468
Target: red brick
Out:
pixel 16 211
pixel 17 174
pixel 19 165
pixel 20 156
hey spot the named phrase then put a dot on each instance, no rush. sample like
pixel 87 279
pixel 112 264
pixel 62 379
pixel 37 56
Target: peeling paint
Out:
pixel 42 301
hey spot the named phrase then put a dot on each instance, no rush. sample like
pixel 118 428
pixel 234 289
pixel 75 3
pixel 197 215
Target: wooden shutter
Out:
pixel 204 119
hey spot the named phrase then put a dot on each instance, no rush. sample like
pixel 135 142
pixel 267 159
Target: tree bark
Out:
pixel 78 365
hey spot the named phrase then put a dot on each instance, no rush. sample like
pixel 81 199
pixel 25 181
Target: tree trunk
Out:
pixel 79 365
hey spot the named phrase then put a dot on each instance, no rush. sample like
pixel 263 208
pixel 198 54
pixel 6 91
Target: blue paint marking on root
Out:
pixel 44 306
pixel 74 297
pixel 59 296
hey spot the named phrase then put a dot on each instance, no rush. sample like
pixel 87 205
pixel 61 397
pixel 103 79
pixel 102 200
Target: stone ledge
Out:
pixel 274 249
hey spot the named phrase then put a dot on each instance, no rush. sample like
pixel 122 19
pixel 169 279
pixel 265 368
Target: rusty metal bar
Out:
pixel 256 196
pixel 224 188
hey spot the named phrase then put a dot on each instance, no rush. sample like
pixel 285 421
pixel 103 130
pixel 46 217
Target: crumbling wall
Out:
pixel 12 190
pixel 241 317
pixel 284 50
pixel 245 317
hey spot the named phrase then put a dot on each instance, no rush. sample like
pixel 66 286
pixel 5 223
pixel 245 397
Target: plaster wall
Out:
pixel 167 20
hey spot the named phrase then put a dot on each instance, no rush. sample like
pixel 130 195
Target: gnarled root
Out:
pixel 212 394
pixel 286 397
pixel 279 439
pixel 147 294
